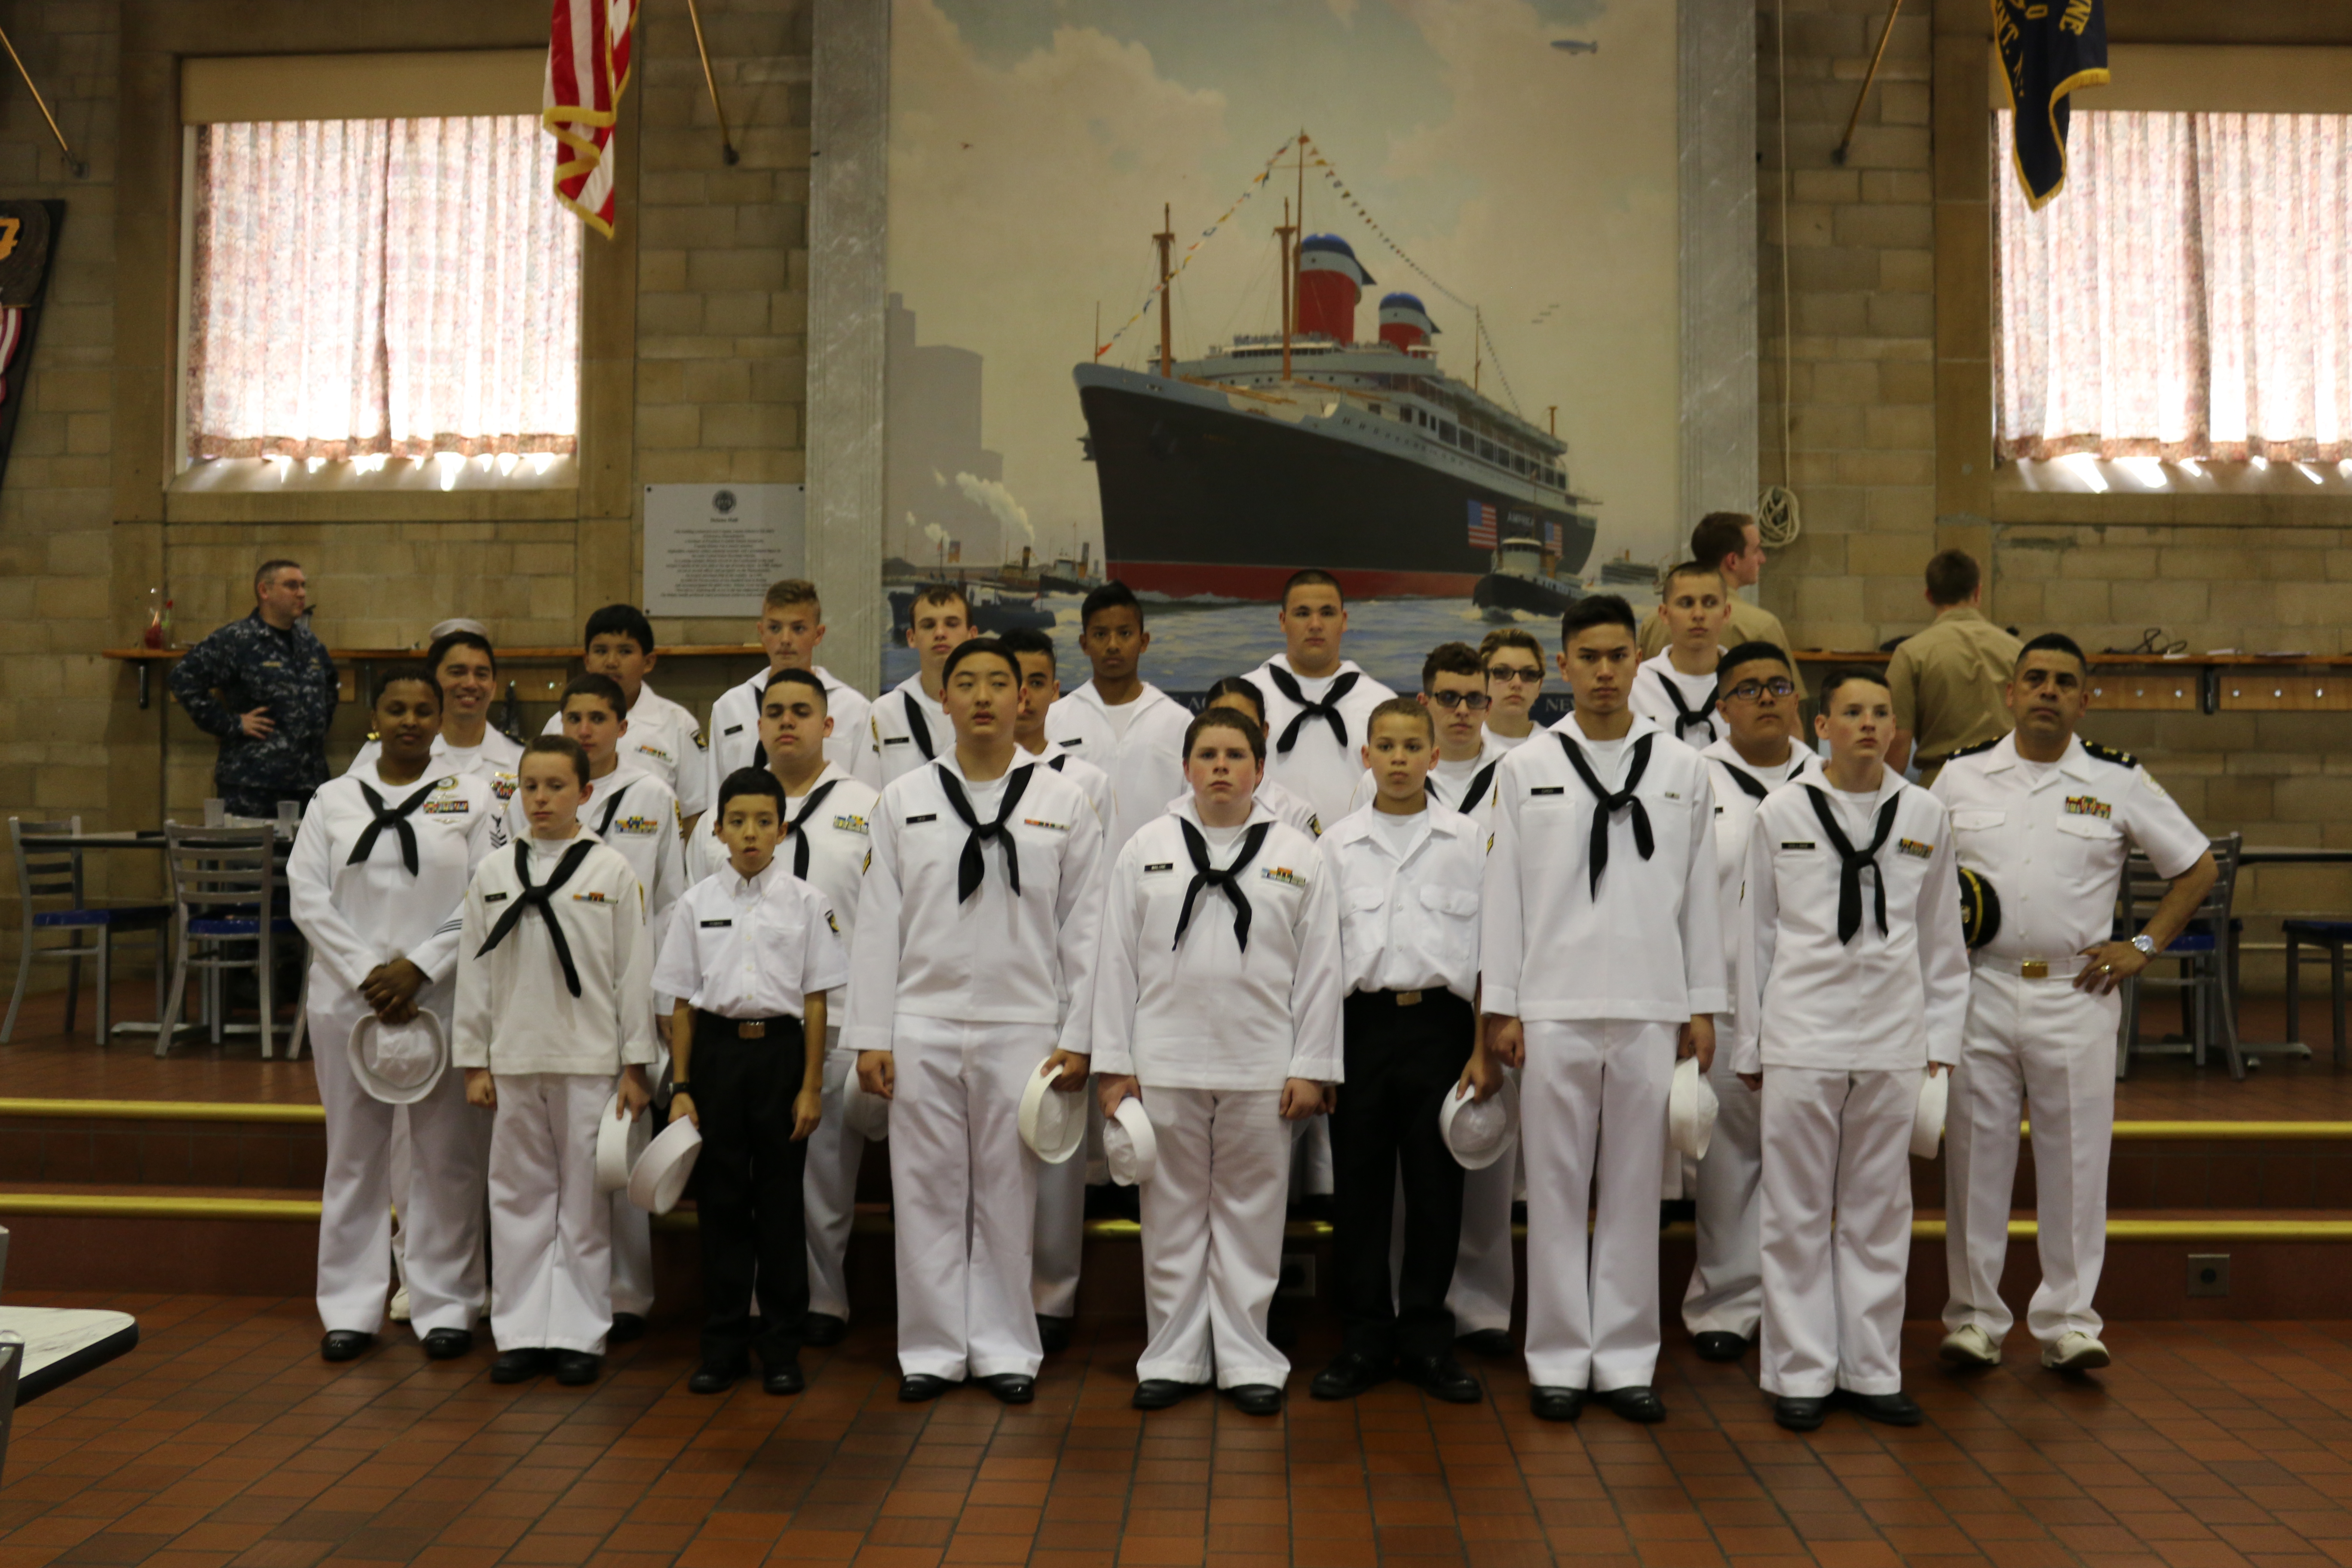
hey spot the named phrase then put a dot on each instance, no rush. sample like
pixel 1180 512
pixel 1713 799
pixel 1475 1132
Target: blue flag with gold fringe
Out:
pixel 2048 48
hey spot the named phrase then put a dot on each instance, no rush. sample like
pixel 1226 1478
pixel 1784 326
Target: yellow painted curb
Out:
pixel 164 1110
pixel 117 1206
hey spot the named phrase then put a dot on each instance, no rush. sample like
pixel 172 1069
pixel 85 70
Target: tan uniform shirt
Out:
pixel 1946 682
pixel 1749 623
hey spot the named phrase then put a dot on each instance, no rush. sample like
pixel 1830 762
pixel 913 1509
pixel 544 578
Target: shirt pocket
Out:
pixel 2089 848
pixel 1975 819
pixel 1452 914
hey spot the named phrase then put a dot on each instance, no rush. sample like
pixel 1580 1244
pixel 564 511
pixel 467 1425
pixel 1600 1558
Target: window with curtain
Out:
pixel 380 288
pixel 2188 295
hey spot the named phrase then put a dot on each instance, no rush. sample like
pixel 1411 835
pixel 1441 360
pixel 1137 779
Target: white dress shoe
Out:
pixel 2075 1351
pixel 1969 1346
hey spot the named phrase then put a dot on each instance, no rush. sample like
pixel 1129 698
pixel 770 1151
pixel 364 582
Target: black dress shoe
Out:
pixel 345 1345
pixel 1487 1341
pixel 447 1344
pixel 626 1326
pixel 1556 1404
pixel 1257 1399
pixel 1640 1402
pixel 782 1377
pixel 1159 1393
pixel 1013 1387
pixel 1799 1415
pixel 714 1378
pixel 1440 1378
pixel 917 1386
pixel 519 1365
pixel 1888 1409
pixel 822 1330
pixel 1053 1334
pixel 1719 1346
pixel 1351 1373
pixel 574 1369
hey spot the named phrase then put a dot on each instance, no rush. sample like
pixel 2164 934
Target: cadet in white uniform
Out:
pixel 1218 1004
pixel 1118 721
pixel 374 882
pixel 1462 776
pixel 1757 755
pixel 1676 688
pixel 554 1004
pixel 468 670
pixel 792 624
pixel 1853 978
pixel 907 727
pixel 1316 703
pixel 2047 821
pixel 1602 959
pixel 830 815
pixel 664 737
pixel 1238 693
pixel 977 928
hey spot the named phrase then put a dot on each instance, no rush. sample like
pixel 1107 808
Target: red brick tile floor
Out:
pixel 223 1442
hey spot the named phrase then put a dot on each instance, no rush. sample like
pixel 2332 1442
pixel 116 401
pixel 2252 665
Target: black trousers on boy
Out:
pixel 747 1187
pixel 1405 1052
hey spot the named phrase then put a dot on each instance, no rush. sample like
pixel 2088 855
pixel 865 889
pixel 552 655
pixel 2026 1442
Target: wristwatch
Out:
pixel 2146 943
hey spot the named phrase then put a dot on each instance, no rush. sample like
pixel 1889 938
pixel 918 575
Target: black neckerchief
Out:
pixel 972 868
pixel 397 818
pixel 916 726
pixel 1749 785
pixel 800 826
pixel 1328 708
pixel 1471 797
pixel 537 898
pixel 1606 805
pixel 1685 717
pixel 1851 862
pixel 612 809
pixel 1227 880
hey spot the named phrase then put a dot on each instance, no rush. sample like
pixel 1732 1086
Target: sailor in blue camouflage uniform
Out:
pixel 266 688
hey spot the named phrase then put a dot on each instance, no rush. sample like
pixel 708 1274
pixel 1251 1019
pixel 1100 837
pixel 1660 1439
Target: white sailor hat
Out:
pixel 868 1115
pixel 1477 1131
pixel 1053 1124
pixel 1691 1108
pixel 658 1179
pixel 399 1063
pixel 619 1140
pixel 1928 1126
pixel 1131 1148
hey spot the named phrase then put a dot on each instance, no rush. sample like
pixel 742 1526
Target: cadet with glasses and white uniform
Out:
pixel 375 881
pixel 1463 767
pixel 2046 821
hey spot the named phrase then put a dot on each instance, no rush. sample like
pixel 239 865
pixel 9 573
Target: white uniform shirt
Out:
pixel 1146 764
pixel 1496 741
pixel 905 728
pixel 1881 1002
pixel 997 957
pixel 634 812
pixel 1735 812
pixel 1204 1013
pixel 1086 775
pixel 735 727
pixel 1285 806
pixel 2051 839
pixel 840 838
pixel 1648 946
pixel 1409 923
pixel 1321 767
pixel 357 917
pixel 1657 683
pixel 497 756
pixel 514 1012
pixel 666 742
pixel 1467 786
pixel 752 949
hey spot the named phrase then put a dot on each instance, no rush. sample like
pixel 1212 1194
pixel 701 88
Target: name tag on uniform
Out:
pixel 711 925
pixel 1548 789
pixel 1670 795
pixel 732 729
pixel 898 740
pixel 1914 848
pixel 1159 865
pixel 927 817
pixel 1798 844
pixel 1073 745
pixel 492 897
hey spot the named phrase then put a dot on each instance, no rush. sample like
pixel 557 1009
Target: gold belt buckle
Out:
pixel 752 1029
pixel 2035 969
pixel 1408 998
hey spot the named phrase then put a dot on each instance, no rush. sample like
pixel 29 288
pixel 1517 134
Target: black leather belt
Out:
pixel 745 1029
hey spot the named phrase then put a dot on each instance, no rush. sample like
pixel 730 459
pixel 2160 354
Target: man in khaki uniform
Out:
pixel 1729 539
pixel 1949 681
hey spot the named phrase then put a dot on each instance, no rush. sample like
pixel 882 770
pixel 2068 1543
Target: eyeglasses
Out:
pixel 1515 672
pixel 1474 700
pixel 1749 691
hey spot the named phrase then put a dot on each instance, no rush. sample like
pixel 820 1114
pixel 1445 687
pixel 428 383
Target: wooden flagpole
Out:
pixel 80 169
pixel 726 141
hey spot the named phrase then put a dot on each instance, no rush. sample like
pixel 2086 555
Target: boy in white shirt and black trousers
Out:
pixel 554 1004
pixel 1217 1005
pixel 1853 976
pixel 1601 951
pixel 751 956
pixel 1409 873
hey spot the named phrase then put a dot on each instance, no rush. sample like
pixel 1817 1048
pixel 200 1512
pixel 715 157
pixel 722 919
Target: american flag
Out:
pixel 1551 537
pixel 1482 532
pixel 587 72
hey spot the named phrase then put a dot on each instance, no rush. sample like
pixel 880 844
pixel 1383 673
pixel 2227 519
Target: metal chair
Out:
pixel 55 871
pixel 2208 976
pixel 2329 937
pixel 224 882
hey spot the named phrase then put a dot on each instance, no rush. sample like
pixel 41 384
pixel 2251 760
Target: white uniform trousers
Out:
pixel 1836 1229
pixel 829 1187
pixel 550 1229
pixel 2052 1046
pixel 442 1206
pixel 963 1196
pixel 1060 1237
pixel 1212 1224
pixel 1726 1288
pixel 1590 1086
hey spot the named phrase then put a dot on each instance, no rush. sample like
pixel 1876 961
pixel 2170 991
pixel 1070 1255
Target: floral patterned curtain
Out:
pixel 402 287
pixel 2188 295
